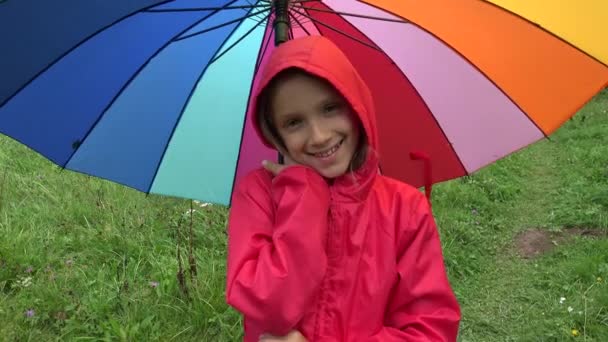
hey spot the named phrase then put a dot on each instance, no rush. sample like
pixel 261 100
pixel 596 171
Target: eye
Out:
pixel 331 107
pixel 292 123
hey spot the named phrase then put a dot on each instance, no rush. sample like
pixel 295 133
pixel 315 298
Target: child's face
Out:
pixel 316 124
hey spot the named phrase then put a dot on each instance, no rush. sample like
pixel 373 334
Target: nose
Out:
pixel 320 135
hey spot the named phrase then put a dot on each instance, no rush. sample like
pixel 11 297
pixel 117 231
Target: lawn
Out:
pixel 525 241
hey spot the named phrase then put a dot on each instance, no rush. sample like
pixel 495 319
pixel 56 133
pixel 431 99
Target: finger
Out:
pixel 274 168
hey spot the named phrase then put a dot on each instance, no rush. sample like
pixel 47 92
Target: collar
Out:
pixel 355 186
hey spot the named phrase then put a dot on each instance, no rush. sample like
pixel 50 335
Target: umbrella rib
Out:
pixel 258 4
pixel 221 25
pixel 291 33
pixel 337 30
pixel 303 1
pixel 198 9
pixel 348 14
pixel 117 95
pixel 240 39
pixel 291 2
pixel 299 23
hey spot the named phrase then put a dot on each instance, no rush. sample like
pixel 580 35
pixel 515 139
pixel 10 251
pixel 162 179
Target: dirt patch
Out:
pixel 532 243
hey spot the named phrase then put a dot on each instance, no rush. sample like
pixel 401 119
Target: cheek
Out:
pixel 294 142
pixel 349 127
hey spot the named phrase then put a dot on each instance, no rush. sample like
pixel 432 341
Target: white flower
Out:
pixel 562 300
pixel 201 204
pixel 25 282
pixel 570 309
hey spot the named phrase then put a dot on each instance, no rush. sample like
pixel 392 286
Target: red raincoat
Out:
pixel 355 260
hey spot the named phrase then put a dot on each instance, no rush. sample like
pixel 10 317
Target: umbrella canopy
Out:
pixel 155 94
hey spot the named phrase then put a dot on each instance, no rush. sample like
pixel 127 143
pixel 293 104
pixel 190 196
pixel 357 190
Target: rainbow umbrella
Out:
pixel 155 94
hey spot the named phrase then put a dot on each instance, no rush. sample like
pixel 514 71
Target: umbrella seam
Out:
pixel 44 69
pixel 547 31
pixel 202 74
pixel 259 60
pixel 415 89
pixel 263 46
pixel 135 74
pixel 468 61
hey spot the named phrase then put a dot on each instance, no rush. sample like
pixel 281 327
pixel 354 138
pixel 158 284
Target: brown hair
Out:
pixel 265 118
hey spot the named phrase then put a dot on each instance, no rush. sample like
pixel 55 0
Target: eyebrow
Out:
pixel 330 99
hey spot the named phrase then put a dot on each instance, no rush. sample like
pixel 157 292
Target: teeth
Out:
pixel 328 152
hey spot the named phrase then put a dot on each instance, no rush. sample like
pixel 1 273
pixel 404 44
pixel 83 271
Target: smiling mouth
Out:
pixel 329 152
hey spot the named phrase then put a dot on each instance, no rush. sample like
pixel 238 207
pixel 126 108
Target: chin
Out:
pixel 333 172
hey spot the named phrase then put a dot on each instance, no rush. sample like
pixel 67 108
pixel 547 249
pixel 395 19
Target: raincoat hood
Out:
pixel 318 56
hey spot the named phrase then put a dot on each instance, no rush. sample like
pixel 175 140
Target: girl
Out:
pixel 323 247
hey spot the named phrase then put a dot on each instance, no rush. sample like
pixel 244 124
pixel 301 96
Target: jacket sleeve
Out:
pixel 276 247
pixel 422 305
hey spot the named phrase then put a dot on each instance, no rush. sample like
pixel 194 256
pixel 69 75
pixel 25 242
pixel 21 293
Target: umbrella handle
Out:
pixel 428 171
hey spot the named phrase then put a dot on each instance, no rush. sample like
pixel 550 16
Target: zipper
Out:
pixel 321 310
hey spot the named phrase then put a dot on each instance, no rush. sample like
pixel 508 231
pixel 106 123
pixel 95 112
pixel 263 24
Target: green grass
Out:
pixel 85 254
pixel 555 184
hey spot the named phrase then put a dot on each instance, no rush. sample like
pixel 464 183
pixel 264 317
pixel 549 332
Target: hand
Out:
pixel 275 168
pixel 293 336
